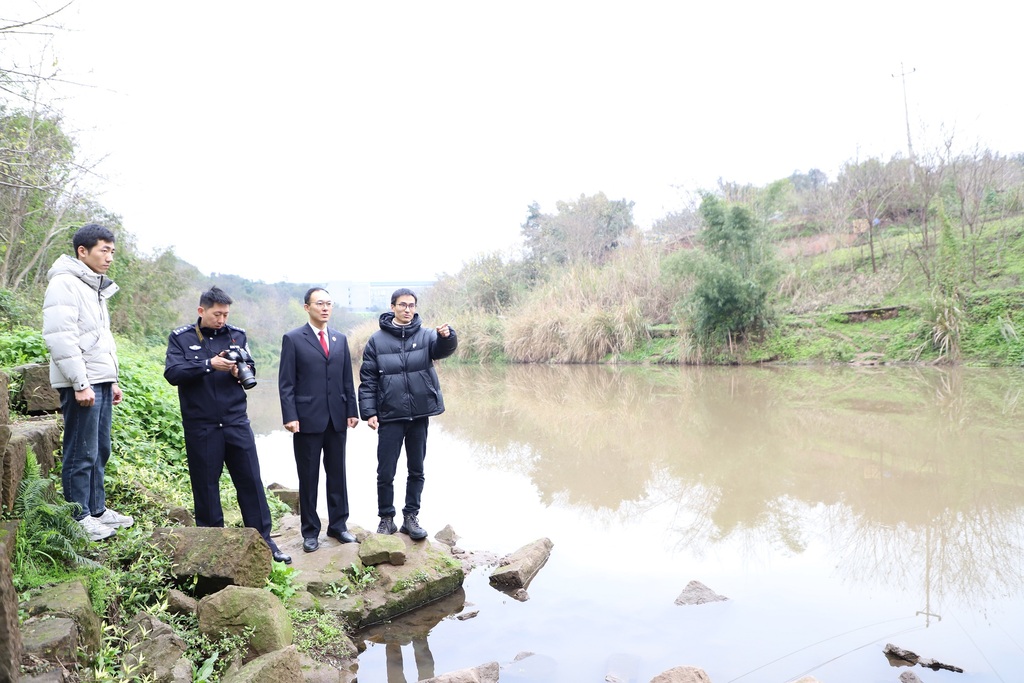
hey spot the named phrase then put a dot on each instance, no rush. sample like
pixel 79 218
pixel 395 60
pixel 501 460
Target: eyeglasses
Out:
pixel 321 304
pixel 405 307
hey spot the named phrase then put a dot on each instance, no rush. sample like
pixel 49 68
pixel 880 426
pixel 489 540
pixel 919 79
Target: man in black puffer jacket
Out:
pixel 398 393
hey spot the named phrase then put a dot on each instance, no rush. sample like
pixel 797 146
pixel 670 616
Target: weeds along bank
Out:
pixel 147 475
pixel 850 303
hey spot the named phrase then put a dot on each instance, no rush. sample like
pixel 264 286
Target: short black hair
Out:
pixel 309 293
pixel 403 292
pixel 214 295
pixel 88 235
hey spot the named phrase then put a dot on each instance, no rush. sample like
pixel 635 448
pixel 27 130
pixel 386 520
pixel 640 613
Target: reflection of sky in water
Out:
pixel 829 538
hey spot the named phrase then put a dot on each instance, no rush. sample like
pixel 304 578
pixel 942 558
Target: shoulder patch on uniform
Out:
pixel 181 329
pixel 232 327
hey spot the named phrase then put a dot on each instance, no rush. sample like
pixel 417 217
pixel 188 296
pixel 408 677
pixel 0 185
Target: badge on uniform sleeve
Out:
pixel 194 347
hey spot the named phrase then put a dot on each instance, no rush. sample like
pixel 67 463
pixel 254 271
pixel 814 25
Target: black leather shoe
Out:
pixel 345 537
pixel 310 544
pixel 281 557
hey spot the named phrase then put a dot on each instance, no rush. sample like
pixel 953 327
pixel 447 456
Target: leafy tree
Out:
pixel 732 278
pixel 583 231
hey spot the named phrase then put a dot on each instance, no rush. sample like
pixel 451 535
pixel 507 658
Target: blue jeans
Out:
pixel 86 449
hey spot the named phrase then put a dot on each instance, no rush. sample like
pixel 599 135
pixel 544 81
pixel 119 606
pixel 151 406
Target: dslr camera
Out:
pixel 241 359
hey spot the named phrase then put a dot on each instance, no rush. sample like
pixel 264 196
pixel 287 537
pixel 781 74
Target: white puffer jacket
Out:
pixel 76 326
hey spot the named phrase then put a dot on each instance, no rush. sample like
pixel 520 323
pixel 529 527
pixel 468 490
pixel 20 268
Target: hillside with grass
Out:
pixel 891 262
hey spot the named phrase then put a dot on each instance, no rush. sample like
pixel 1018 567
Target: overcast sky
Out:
pixel 323 141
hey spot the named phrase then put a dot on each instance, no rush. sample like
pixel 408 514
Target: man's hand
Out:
pixel 223 364
pixel 444 330
pixel 85 397
pixel 292 426
pixel 353 422
pixel 118 394
pixel 372 423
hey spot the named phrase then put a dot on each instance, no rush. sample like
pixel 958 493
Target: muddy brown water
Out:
pixel 840 509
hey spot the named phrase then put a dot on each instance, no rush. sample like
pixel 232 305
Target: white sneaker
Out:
pixel 115 520
pixel 95 529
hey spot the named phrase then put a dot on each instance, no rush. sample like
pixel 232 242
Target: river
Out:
pixel 838 508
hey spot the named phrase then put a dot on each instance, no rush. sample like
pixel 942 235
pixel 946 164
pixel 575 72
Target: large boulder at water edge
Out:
pixel 235 609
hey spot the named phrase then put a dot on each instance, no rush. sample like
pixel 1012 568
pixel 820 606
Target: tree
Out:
pixel 39 194
pixel 732 278
pixel 866 187
pixel 584 231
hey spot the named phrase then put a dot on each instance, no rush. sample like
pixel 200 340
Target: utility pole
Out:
pixel 906 113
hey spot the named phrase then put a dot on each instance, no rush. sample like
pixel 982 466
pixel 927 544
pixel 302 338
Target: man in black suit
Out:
pixel 318 405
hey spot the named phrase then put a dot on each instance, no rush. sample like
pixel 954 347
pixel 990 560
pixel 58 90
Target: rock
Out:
pixel 5 438
pixel 9 535
pixel 622 668
pixel 179 603
pixel 5 402
pixel 181 515
pixel 519 594
pixel 36 395
pixel 901 656
pixel 321 672
pixel 58 675
pixel 467 615
pixel 236 608
pixel 485 673
pixel 935 665
pixel 218 556
pixel 696 593
pixel 273 667
pixel 807 679
pixel 289 497
pixel 682 674
pixel 71 599
pixel 381 548
pixel 10 633
pixel 54 639
pixel 447 536
pixel 155 650
pixel 909 677
pixel 522 565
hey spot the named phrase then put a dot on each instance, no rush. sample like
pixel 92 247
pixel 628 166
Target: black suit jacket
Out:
pixel 314 387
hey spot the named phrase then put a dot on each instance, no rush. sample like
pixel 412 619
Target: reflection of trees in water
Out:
pixel 894 455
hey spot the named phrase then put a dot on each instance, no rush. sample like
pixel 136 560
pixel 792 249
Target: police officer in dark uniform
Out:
pixel 209 362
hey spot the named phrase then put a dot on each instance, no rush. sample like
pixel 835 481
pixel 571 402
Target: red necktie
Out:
pixel 323 343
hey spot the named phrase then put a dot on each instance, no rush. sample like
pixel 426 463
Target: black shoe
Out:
pixel 310 545
pixel 387 526
pixel 411 526
pixel 343 537
pixel 281 557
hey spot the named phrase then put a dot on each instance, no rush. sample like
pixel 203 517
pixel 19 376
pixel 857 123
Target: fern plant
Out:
pixel 48 534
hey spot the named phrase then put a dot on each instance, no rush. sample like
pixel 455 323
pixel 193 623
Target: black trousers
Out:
pixel 209 449
pixel 307 448
pixel 390 437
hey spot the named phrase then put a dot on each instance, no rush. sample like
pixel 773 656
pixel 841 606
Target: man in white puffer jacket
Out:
pixel 83 370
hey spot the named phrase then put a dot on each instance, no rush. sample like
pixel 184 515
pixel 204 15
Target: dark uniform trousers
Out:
pixel 209 449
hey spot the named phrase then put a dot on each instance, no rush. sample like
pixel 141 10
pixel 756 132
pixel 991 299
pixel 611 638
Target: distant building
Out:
pixel 371 296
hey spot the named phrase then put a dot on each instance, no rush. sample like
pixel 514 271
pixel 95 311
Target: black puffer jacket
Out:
pixel 397 380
